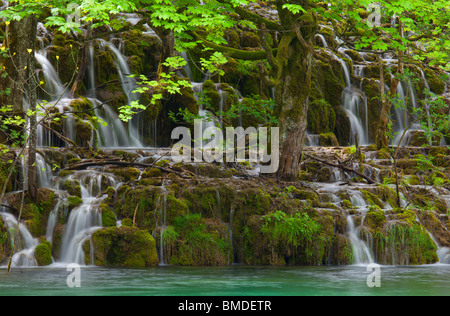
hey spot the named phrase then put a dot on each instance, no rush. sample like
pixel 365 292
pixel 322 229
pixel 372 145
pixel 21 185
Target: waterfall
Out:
pixel 62 205
pixel 187 67
pixel 442 252
pixel 114 134
pixel 444 255
pixel 53 85
pixel 400 116
pixel 92 93
pixel 322 39
pixel 355 105
pixel 25 243
pixel 162 205
pixel 85 219
pixel 207 122
pixel 354 102
pixel 135 127
pixel 312 140
pixel 44 172
pixel 361 253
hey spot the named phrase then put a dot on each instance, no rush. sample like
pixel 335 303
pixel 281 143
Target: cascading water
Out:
pixel 53 85
pixel 161 210
pixel 128 85
pixel 24 242
pixel 361 253
pixel 312 140
pixel 354 102
pixel 85 219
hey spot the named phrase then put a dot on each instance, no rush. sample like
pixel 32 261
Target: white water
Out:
pixel 53 85
pixel 24 241
pixel 128 85
pixel 312 140
pixel 354 102
pixel 361 253
pixel 85 219
pixel 322 40
pixel 161 206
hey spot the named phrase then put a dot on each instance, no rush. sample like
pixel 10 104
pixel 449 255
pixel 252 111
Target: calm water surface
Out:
pixel 229 281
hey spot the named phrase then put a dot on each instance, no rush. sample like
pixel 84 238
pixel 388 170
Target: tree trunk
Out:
pixel 293 85
pixel 32 137
pixel 168 47
pixel 382 137
pixel 83 64
pixel 22 82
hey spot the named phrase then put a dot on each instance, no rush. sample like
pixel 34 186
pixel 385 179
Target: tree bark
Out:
pixel 293 85
pixel 21 80
pixel 382 137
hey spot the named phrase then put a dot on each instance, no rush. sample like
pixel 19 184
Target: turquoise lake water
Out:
pixel 229 281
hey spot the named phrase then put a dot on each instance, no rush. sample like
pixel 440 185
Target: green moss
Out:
pixel 321 117
pixel 199 241
pixel 372 199
pixel 250 39
pixel 138 203
pixel 73 187
pixel 125 173
pixel 74 201
pixel 436 84
pixel 414 180
pixel 404 243
pixel 128 222
pixel 347 204
pixel 384 154
pixel 162 163
pixel 175 208
pixel 211 93
pixel 209 170
pixel 84 131
pixel 5 167
pixel 123 247
pixel 108 217
pixel 151 173
pixel 328 139
pixel 43 254
pixel 375 219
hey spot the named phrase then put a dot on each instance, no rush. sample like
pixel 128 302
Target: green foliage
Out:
pixel 214 64
pixel 166 83
pixel 289 230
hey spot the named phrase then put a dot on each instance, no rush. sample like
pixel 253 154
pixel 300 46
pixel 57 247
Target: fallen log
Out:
pixel 343 167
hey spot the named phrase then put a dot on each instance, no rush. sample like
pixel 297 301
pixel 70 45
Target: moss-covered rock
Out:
pixel 138 203
pixel 123 247
pixel 375 219
pixel 108 217
pixel 199 242
pixel 212 95
pixel 328 139
pixel 43 254
pixel 125 173
pixel 435 82
pixel 74 201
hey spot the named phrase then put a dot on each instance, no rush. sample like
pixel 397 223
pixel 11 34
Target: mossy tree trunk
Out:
pixel 290 69
pixel 293 86
pixel 21 83
pixel 383 131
